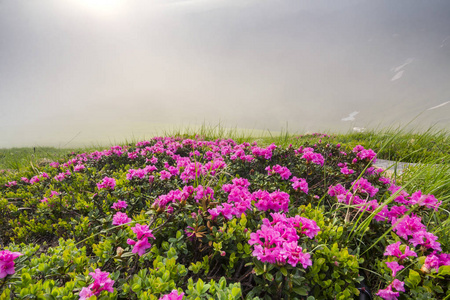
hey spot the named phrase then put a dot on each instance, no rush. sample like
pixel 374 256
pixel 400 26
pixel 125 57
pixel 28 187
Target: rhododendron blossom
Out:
pixel 276 241
pixel 174 295
pixel 107 183
pixel 119 205
pixel 101 283
pixel 120 218
pixel 389 294
pixel 282 171
pixel 275 201
pixel 406 226
pixel 300 184
pixel 425 239
pixel 7 262
pixel 394 250
pixel 142 234
pixel 424 200
pixel 395 267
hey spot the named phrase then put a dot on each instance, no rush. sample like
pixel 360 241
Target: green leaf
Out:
pixel 283 271
pixel 199 286
pixel 268 276
pixel 414 278
pixel 300 291
pixel 235 292
pixel 444 270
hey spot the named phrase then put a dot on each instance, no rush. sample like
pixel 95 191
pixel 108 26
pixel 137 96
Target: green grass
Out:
pixel 429 148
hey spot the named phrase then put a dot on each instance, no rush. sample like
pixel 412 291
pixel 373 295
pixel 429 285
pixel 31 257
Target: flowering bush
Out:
pixel 179 218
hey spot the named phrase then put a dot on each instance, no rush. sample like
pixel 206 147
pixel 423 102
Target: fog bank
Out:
pixel 83 72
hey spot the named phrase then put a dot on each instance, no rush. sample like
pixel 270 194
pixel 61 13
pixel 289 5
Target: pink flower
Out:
pixel 345 170
pixel 172 296
pixel 120 218
pixel 398 285
pixel 101 282
pixel 424 200
pixel 300 183
pixel 277 242
pixel 140 246
pixel 307 227
pixel 165 175
pixel 395 267
pixel 368 154
pixel 119 205
pixel 431 262
pixel 394 250
pixel 86 293
pixel 7 262
pixel 310 156
pixel 357 148
pixel 11 183
pixel 142 231
pixel 284 172
pixel 362 185
pixel 275 201
pixel 34 179
pixel 388 294
pixel 384 180
pixel 79 167
pixel 407 225
pixel 107 183
pixel 295 255
pixel 426 239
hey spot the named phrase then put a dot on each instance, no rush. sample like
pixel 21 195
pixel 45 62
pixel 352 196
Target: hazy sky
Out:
pixel 104 70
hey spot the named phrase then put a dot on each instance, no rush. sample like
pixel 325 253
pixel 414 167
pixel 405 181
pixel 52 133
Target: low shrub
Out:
pixel 178 218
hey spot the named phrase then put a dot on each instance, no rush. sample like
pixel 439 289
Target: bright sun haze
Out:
pixel 75 72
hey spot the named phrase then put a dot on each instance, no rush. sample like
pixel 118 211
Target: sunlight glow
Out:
pixel 101 7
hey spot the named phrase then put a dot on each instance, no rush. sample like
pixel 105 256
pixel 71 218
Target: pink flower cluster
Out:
pixel 274 201
pixel 7 262
pixel 284 172
pixel 11 183
pixel 239 200
pixel 78 168
pixel 344 169
pixel 389 294
pixel 277 241
pixel 310 156
pixel 265 153
pixel 364 154
pixel 174 196
pixel 107 183
pixel 174 295
pixel 61 176
pixel 300 183
pixel 363 186
pixel 101 283
pixel 142 234
pixel 434 261
pixel 119 205
pixel 120 218
pixel 140 173
pixel 394 250
pixel 52 194
pixel 37 178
